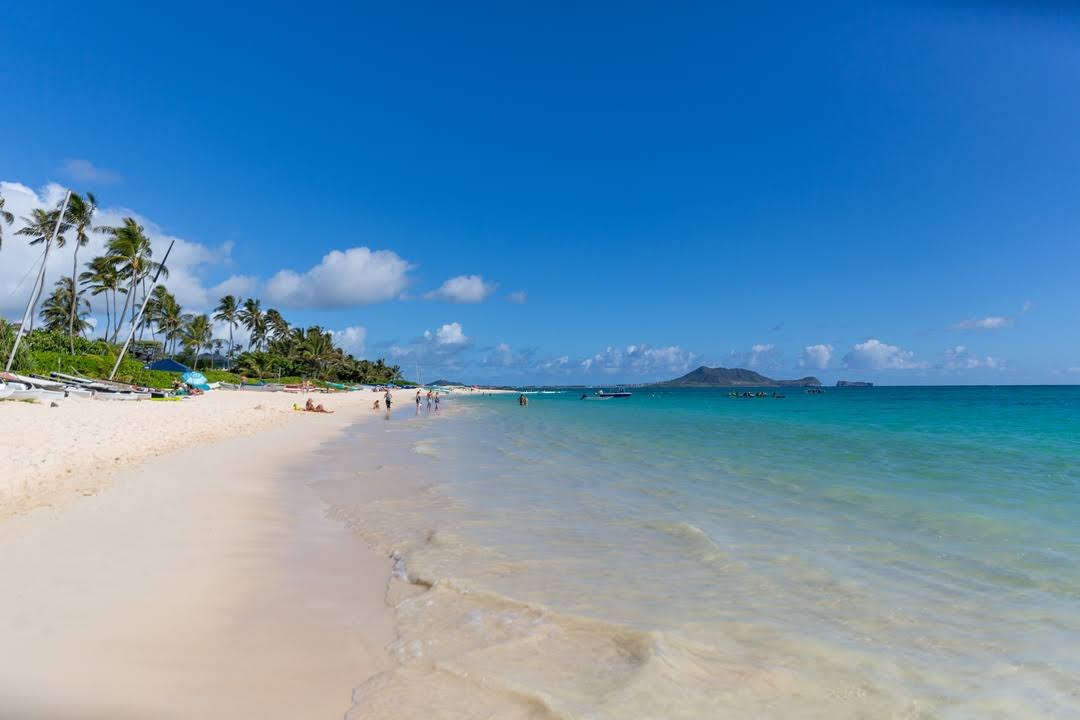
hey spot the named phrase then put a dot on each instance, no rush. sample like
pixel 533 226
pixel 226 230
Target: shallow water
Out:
pixel 884 552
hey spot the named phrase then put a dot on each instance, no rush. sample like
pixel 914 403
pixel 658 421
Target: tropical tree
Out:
pixel 104 277
pixel 169 318
pixel 228 312
pixel 277 326
pixel 39 228
pixel 65 308
pixel 79 215
pixel 5 217
pixel 317 350
pixel 130 249
pixel 197 335
pixel 251 315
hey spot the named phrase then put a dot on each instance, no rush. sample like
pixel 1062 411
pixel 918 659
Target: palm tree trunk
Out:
pixel 127 300
pixel 74 296
pixel 229 364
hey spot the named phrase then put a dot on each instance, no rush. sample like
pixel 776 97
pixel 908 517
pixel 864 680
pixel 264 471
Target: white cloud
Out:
pixel 993 322
pixel 518 298
pixel 503 356
pixel 986 323
pixel 958 358
pixel 343 279
pixel 351 339
pixel 761 355
pixel 449 334
pixel 816 357
pixel 639 360
pixel 242 286
pixel 83 170
pixel 557 363
pixel 876 355
pixel 463 289
pixel 18 260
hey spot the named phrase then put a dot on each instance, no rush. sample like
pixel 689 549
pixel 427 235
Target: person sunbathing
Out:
pixel 312 407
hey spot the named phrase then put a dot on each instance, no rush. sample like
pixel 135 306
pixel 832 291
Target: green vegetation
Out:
pixel 277 350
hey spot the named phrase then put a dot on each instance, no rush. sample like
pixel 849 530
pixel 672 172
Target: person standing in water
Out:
pixel 429 400
pixel 436 401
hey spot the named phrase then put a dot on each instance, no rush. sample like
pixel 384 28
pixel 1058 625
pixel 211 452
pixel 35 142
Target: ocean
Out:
pixel 865 553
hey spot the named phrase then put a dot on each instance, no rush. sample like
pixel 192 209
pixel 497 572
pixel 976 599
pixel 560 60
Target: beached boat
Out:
pixel 106 395
pixel 31 381
pixel 5 390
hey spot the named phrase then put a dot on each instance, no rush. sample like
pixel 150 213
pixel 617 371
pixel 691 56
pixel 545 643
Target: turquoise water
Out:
pixel 881 552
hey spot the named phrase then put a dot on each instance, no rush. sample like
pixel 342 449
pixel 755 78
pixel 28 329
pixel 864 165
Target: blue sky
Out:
pixel 885 191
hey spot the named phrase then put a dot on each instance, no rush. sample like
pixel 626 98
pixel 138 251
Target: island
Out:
pixel 733 377
pixel 853 383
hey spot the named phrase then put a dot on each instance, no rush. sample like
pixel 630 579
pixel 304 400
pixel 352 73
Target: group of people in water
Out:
pixel 758 394
pixel 522 400
pixel 388 399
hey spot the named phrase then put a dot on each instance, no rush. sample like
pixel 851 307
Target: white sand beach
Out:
pixel 166 560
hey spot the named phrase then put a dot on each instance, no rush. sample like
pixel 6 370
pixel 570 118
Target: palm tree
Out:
pixel 64 309
pixel 170 319
pixel 317 349
pixel 130 249
pixel 40 227
pixel 228 312
pixel 5 216
pixel 277 325
pixel 80 214
pixel 254 320
pixel 104 277
pixel 198 334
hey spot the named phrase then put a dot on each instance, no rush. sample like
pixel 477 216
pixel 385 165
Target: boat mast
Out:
pixel 38 285
pixel 135 321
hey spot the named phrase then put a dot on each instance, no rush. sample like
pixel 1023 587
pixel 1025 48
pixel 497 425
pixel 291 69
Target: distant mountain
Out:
pixel 853 383
pixel 732 377
pixel 448 382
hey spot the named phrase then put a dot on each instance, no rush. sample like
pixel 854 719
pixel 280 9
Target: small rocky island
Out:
pixel 853 383
pixel 733 377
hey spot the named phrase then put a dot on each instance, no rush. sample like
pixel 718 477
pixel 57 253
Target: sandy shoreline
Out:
pixel 53 455
pixel 204 582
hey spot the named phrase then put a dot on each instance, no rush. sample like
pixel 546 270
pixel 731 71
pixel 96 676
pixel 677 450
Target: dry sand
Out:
pixel 51 455
pixel 201 583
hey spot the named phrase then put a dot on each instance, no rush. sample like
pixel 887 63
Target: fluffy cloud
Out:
pixel 343 279
pixel 503 356
pixel 876 355
pixel 437 351
pixel 958 358
pixel 187 264
pixel 518 298
pixel 83 170
pixel 450 334
pixel 351 339
pixel 762 355
pixel 639 360
pixel 816 357
pixel 463 289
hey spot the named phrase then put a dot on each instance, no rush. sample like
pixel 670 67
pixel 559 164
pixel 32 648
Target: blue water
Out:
pixel 879 552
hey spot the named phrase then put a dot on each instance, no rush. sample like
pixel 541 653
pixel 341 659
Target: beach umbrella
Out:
pixel 194 378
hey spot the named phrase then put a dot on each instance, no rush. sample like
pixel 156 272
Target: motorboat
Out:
pixel 617 394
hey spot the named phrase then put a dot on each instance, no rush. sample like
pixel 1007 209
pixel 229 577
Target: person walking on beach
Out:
pixel 429 401
pixel 388 398
pixel 418 402
pixel 436 401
